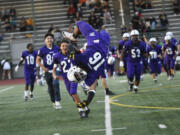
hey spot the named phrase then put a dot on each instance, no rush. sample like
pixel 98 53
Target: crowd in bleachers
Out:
pixel 100 11
pixel 8 16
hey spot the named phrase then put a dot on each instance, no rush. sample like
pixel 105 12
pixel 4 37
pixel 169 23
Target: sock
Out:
pixel 91 94
pixel 26 93
pixel 135 87
pixel 31 93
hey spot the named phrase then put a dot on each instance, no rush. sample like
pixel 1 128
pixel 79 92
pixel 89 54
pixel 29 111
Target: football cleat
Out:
pixel 68 35
pixel 26 98
pixel 108 92
pixel 131 88
pixel 31 96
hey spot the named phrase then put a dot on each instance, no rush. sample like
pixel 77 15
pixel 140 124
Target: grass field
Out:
pixel 131 114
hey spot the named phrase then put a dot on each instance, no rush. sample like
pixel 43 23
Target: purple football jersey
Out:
pixel 170 50
pixel 135 52
pixel 47 55
pixel 64 63
pixel 154 52
pixel 30 60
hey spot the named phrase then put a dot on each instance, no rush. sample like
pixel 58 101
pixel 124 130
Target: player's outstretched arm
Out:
pixel 19 64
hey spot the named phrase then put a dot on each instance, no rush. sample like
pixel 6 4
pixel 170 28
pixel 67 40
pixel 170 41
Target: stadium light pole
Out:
pixel 34 19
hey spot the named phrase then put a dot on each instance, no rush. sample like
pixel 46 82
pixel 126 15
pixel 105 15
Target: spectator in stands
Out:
pixel 22 24
pixel 139 4
pixel 163 20
pixel 106 5
pixel 57 36
pixel 29 23
pixel 12 12
pixel 83 2
pixel 51 29
pixel 153 23
pixel 135 21
pixel 89 4
pixel 4 14
pixel 6 69
pixel 79 11
pixel 71 12
pixel 148 24
pixel 107 16
pixel 7 25
pixel 123 29
pixel 148 4
pixel 99 23
pixel 176 4
pixel 92 19
pixel 12 23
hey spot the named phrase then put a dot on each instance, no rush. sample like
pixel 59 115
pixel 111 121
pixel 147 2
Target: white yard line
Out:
pixel 8 88
pixel 108 116
pixel 100 130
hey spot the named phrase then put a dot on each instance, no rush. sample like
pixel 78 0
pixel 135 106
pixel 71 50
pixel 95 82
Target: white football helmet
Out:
pixel 126 35
pixel 134 33
pixel 167 38
pixel 169 34
pixel 111 60
pixel 75 74
pixel 152 40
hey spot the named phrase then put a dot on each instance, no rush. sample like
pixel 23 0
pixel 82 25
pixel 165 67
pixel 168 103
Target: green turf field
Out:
pixel 131 114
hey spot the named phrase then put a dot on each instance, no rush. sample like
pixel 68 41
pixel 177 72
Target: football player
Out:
pixel 155 54
pixel 29 56
pixel 92 60
pixel 65 64
pixel 135 49
pixel 45 54
pixel 126 37
pixel 169 50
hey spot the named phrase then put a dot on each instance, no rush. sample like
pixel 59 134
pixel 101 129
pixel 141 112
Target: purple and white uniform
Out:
pixel 134 57
pixel 170 51
pixel 65 64
pixel 155 62
pixel 29 66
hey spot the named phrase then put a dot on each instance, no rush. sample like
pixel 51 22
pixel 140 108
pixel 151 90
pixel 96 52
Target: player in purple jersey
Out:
pixel 121 43
pixel 61 60
pixel 45 54
pixel 105 38
pixel 92 60
pixel 29 56
pixel 173 40
pixel 110 66
pixel 135 49
pixel 155 54
pixel 170 56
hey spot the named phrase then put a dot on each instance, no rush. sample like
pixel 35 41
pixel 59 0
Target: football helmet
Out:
pixel 75 74
pixel 111 60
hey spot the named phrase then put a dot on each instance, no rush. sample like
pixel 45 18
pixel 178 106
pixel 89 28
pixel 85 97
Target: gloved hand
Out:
pixel 16 68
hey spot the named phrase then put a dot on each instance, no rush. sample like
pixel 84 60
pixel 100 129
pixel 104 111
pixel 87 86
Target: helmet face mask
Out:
pixel 75 74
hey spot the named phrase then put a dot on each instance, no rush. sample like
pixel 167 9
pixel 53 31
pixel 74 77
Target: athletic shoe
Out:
pixel 131 88
pixel 108 92
pixel 136 90
pixel 57 105
pixel 68 35
pixel 31 96
pixel 26 98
